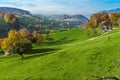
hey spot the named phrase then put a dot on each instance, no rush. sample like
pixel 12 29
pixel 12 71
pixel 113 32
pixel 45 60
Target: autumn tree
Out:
pixel 24 33
pixel 104 16
pixel 20 41
pixel 118 22
pixel 8 42
pixel 1 40
pixel 5 44
pixel 96 19
pixel 21 47
pixel 37 36
pixel 92 22
pixel 14 37
pixel 114 18
pixel 12 20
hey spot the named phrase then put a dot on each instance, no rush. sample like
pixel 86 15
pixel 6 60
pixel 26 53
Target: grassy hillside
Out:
pixel 76 34
pixel 72 35
pixel 86 60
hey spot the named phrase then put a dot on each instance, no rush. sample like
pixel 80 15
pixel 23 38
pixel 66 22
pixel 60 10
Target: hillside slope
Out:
pixel 4 27
pixel 31 23
pixel 89 60
pixel 73 35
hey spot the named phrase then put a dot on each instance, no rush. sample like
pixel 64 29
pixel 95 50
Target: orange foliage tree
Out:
pixel 37 36
pixel 19 36
pixel 24 33
pixel 1 40
pixel 12 20
pixel 5 44
pixel 114 18
pixel 8 42
pixel 13 37
pixel 96 19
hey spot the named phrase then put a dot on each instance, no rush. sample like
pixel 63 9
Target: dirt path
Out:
pixel 104 35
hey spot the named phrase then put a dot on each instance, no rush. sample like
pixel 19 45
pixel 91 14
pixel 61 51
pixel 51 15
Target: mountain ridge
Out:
pixel 111 10
pixel 14 10
pixel 75 20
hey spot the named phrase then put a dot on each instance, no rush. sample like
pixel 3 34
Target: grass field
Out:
pixel 78 58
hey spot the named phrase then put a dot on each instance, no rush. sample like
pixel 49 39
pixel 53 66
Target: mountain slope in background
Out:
pixel 112 10
pixel 41 23
pixel 14 10
pixel 74 20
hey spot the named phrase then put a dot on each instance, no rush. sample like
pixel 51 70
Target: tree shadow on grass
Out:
pixel 56 42
pixel 41 52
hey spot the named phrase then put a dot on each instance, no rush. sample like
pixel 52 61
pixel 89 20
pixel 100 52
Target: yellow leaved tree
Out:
pixel 37 36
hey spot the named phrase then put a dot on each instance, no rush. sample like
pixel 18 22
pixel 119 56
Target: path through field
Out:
pixel 104 35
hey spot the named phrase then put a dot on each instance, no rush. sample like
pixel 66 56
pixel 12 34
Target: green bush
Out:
pixel 93 32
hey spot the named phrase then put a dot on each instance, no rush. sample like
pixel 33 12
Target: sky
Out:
pixel 85 7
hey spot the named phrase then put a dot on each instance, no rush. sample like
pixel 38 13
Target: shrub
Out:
pixel 93 32
pixel 49 38
pixel 33 39
pixel 64 38
pixel 52 31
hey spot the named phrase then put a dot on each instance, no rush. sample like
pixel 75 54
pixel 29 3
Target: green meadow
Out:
pixel 77 58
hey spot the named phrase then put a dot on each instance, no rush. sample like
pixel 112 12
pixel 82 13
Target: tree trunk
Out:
pixel 7 53
pixel 21 55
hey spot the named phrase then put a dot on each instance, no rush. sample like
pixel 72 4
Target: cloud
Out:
pixel 57 9
pixel 61 6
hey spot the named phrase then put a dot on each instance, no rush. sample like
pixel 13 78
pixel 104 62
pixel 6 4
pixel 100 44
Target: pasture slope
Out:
pixel 88 60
